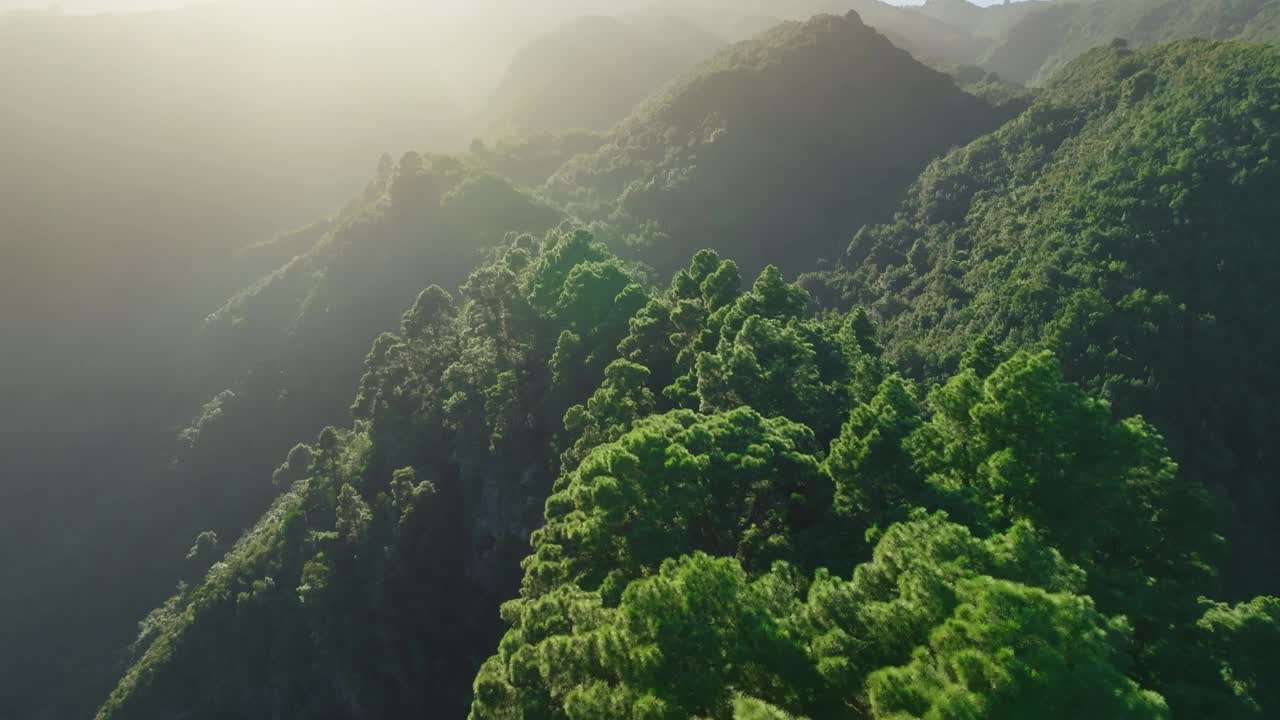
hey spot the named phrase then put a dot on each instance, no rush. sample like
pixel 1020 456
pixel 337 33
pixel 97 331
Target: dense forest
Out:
pixel 698 165
pixel 605 360
pixel 704 506
pixel 1154 274
pixel 285 352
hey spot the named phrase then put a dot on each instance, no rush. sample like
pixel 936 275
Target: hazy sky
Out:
pixel 93 6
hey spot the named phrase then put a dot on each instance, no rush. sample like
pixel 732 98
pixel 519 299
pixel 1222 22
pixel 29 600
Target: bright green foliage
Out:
pixel 733 485
pixel 871 462
pixel 737 507
pixel 711 347
pixel 761 352
pixel 1026 446
pixel 749 708
pixel 596 302
pixel 1003 451
pixel 614 408
pixel 680 563
pixel 1244 643
pixel 676 646
pixel 283 355
pixel 667 334
pixel 688 635
pixel 686 641
pixel 1010 651
pixel 1125 222
pixel 909 586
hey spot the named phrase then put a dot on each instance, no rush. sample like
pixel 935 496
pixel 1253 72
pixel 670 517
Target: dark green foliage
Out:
pixel 1244 643
pixel 687 640
pixel 940 609
pixel 702 163
pixel 1123 222
pixel 1010 651
pixel 679 568
pixel 294 591
pixel 425 507
pixel 875 476
pixel 1027 446
pixel 725 505
pixel 620 402
pixel 291 346
pixel 731 485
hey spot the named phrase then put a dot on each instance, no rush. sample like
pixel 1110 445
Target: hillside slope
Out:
pixel 277 362
pixel 1042 42
pixel 568 494
pixel 591 72
pixel 281 358
pixel 458 413
pixel 1123 221
pixel 718 447
pixel 137 152
pixel 773 150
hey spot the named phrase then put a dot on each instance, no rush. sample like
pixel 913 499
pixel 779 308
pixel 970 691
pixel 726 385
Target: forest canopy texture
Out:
pixel 948 477
pixel 910 362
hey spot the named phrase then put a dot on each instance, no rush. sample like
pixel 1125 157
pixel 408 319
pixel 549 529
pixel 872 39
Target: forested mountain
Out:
pixel 1043 41
pixel 591 72
pixel 1122 222
pixel 283 355
pixel 136 153
pixel 1005 455
pixel 732 447
pixel 1027 41
pixel 280 358
pixel 798 110
pixel 725 505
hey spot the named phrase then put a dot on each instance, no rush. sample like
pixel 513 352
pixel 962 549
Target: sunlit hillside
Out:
pixel 664 359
